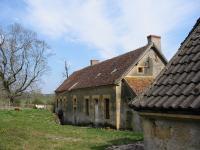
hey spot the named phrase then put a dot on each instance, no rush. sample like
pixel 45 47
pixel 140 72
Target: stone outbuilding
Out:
pixel 170 108
pixel 99 94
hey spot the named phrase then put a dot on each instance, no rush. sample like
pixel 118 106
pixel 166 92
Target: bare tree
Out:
pixel 66 72
pixel 22 60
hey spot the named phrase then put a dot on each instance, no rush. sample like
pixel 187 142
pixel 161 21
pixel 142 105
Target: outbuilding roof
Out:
pixel 138 84
pixel 178 85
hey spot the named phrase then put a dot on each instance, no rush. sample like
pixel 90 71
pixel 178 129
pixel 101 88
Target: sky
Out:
pixel 80 30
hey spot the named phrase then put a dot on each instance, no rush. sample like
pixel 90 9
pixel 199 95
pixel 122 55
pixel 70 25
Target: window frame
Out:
pixel 138 70
pixel 107 108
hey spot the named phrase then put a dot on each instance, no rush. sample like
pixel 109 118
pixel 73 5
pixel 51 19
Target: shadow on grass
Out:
pixel 116 142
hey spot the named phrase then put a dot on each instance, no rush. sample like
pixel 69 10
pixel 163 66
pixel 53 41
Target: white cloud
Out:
pixel 108 28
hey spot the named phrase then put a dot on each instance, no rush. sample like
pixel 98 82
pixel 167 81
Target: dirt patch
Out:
pixel 62 138
pixel 135 146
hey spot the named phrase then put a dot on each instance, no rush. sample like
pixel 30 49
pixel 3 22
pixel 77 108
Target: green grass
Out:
pixel 36 130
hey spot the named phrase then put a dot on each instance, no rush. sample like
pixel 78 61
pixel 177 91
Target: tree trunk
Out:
pixel 11 101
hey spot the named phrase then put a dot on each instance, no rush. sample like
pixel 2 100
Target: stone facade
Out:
pixel 171 132
pixel 130 118
pixel 88 105
pixel 74 106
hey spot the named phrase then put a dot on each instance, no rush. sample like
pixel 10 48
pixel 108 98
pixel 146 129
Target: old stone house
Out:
pixel 99 94
pixel 170 108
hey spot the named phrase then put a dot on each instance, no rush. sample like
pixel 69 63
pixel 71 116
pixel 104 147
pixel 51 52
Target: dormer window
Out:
pixel 140 70
pixel 98 75
pixel 114 71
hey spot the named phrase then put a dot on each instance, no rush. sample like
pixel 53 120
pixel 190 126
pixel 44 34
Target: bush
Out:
pixel 37 101
pixel 17 102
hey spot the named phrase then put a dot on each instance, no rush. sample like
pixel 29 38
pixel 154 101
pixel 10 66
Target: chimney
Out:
pixel 156 40
pixel 94 62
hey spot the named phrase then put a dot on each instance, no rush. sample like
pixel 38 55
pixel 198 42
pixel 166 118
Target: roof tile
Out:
pixel 86 77
pixel 138 84
pixel 196 103
pixel 178 101
pixel 178 86
pixel 167 103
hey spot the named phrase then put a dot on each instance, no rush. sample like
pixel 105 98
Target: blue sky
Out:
pixel 81 30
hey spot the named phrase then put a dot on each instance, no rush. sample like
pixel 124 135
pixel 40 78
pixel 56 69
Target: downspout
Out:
pixel 118 105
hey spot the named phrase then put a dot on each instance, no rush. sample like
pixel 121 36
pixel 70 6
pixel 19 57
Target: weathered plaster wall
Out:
pixel 129 118
pixel 79 115
pixel 171 134
pixel 152 62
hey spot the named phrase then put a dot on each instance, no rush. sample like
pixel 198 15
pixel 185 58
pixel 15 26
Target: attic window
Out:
pixel 140 70
pixel 114 71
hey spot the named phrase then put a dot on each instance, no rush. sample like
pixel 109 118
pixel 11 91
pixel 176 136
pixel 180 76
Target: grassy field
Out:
pixel 37 130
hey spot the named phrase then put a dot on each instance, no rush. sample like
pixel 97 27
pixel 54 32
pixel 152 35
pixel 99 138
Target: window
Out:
pixel 96 101
pixel 140 69
pixel 75 102
pixel 87 107
pixel 107 111
pixel 65 102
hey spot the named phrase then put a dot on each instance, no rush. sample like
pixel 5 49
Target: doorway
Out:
pixel 61 117
pixel 75 121
pixel 129 120
pixel 96 112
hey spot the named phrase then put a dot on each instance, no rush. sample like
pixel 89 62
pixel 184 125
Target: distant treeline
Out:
pixel 29 98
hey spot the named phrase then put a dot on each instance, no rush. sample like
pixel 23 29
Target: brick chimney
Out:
pixel 155 39
pixel 94 62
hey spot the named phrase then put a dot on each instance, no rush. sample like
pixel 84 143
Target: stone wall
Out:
pixel 152 64
pixel 129 118
pixel 171 134
pixel 118 96
pixel 79 116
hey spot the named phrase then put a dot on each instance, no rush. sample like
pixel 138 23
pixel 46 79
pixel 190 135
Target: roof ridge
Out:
pixel 87 76
pixel 148 46
pixel 111 58
pixel 193 28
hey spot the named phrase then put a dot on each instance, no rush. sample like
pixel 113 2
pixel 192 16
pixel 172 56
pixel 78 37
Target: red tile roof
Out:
pixel 138 84
pixel 103 73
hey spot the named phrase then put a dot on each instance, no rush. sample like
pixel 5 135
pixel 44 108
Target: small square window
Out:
pixel 140 69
